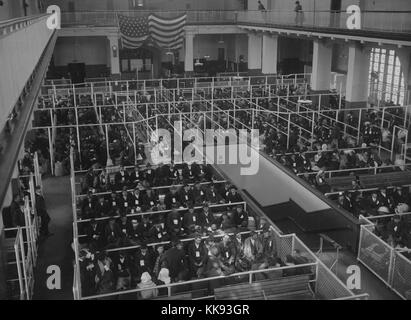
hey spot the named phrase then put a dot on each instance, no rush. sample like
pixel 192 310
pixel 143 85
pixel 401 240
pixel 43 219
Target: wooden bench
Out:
pixel 397 178
pixel 294 287
pixel 183 296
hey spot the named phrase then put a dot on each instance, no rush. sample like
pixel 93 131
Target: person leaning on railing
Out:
pixel 299 15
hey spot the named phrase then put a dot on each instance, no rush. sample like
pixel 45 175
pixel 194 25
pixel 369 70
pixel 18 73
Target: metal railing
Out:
pixel 9 26
pixel 110 18
pixel 386 262
pixel 397 22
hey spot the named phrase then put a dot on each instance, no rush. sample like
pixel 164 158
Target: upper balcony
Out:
pixel 110 18
pixel 395 25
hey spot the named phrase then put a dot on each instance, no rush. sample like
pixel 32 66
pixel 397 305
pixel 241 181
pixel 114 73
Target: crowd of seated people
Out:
pixel 201 257
pixel 373 203
pixel 396 231
pixel 146 176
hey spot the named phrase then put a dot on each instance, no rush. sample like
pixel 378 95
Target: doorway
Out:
pixel 77 72
pixel 335 13
pixel 71 6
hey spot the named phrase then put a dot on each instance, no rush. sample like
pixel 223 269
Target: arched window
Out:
pixel 386 76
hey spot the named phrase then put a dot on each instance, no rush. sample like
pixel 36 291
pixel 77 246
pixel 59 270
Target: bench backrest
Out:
pixel 183 296
pixel 369 181
pixel 263 288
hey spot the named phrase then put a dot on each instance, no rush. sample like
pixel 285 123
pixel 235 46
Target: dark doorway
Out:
pixel 71 6
pixel 335 13
pixel 221 54
pixel 77 72
pixel 335 5
pixel 25 6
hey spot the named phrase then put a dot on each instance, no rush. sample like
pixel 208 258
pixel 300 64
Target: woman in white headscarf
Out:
pixel 162 279
pixel 149 286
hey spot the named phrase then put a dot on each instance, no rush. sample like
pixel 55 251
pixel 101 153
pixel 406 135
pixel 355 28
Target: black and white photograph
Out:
pixel 207 158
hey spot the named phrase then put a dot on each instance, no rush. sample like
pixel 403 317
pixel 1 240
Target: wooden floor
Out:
pixel 56 250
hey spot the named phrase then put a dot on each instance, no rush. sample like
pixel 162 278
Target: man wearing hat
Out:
pixel 136 232
pixel 42 212
pixel 174 223
pixel 121 178
pixel 198 194
pixel 197 255
pixel 88 204
pixel 113 202
pixel 138 200
pixel 269 242
pixel 186 195
pixel 384 198
pixel 227 254
pixel 102 208
pixel 172 198
pixel 234 196
pixel 367 133
pixel 206 217
pixel 212 195
pixel 344 202
pixel 125 199
pixel 190 219
pixel 143 261
pixel 94 234
pixel 253 248
pixel 134 177
pixel 241 217
pixel 122 271
pixel 158 233
pixel 176 262
pixel 112 234
pixel 397 230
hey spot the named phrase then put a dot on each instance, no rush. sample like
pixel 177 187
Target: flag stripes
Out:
pixel 166 33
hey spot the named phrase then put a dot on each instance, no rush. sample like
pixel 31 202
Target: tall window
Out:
pixel 386 76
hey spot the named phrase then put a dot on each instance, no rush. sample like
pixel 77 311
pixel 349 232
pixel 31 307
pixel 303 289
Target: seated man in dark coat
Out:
pixel 176 262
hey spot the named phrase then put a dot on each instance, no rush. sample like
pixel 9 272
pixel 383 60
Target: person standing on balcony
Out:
pixel 261 7
pixel 298 13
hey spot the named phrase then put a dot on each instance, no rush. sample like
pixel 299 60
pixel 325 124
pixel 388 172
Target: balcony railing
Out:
pixel 109 18
pixel 375 21
pixel 9 26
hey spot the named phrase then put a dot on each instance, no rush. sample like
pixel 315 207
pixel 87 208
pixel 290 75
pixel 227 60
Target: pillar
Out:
pixel 189 53
pixel 404 54
pixel 321 71
pixel 254 52
pixel 357 76
pixel 114 54
pixel 270 53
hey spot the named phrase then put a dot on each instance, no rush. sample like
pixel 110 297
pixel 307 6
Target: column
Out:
pixel 114 54
pixel 189 53
pixel 270 53
pixel 3 260
pixel 254 52
pixel 404 54
pixel 357 76
pixel 321 71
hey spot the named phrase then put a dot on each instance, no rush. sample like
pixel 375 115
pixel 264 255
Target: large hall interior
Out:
pixel 205 150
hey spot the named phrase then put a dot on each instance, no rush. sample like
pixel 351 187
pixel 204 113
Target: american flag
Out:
pixel 162 32
pixel 134 31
